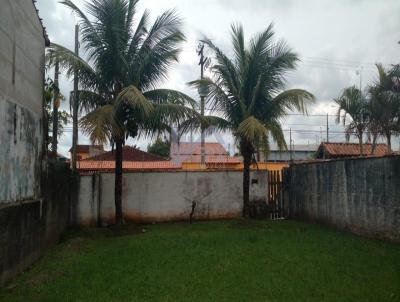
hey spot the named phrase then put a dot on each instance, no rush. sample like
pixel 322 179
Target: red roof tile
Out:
pixel 129 154
pixel 86 165
pixel 334 150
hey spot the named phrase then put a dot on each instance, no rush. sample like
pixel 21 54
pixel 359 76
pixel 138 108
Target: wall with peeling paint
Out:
pixel 21 85
pixel 358 194
pixel 165 196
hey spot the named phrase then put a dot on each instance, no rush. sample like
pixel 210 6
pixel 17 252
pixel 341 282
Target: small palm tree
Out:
pixel 248 91
pixel 353 104
pixel 120 76
pixel 385 104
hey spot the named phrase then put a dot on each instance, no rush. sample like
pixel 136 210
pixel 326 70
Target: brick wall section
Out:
pixel 361 195
pixel 28 228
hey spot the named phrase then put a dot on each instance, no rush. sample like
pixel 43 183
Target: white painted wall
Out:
pixel 166 196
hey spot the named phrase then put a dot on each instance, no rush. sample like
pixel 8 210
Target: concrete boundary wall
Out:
pixel 28 228
pixel 361 195
pixel 165 196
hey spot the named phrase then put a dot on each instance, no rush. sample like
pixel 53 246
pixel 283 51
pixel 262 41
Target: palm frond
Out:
pixel 133 97
pixel 101 125
pixel 70 62
pixel 162 96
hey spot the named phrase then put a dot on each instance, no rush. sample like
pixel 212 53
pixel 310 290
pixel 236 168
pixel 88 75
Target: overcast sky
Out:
pixel 334 40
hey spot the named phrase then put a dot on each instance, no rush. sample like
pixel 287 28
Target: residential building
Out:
pixel 86 151
pixel 343 150
pixel 295 153
pixel 189 155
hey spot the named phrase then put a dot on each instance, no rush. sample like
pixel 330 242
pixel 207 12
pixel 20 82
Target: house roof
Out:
pixel 352 149
pixel 95 165
pixel 301 148
pixel 129 154
pixel 191 153
pixel 86 148
pixel 195 149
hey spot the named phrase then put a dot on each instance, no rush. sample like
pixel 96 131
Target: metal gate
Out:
pixel 275 195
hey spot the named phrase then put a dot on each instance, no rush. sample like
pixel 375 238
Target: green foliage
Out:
pixel 214 261
pixel 384 104
pixel 160 148
pixel 249 89
pixel 63 116
pixel 352 104
pixel 123 67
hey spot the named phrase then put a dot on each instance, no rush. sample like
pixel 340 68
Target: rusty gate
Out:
pixel 275 195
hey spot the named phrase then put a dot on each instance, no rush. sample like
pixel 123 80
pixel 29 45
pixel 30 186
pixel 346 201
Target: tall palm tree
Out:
pixel 248 91
pixel 121 72
pixel 385 103
pixel 353 104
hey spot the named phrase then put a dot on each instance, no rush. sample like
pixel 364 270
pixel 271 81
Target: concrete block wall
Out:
pixel 165 196
pixel 361 195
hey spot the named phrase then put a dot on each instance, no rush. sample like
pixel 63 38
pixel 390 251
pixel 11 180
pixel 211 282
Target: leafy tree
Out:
pixel 160 148
pixel 248 91
pixel 63 116
pixel 120 76
pixel 353 104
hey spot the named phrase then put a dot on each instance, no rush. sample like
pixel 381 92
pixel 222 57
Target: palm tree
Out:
pixel 385 104
pixel 120 76
pixel 353 104
pixel 248 91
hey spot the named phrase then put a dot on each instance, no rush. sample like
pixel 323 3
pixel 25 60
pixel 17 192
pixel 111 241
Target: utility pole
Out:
pixel 75 104
pixel 290 144
pixel 327 128
pixel 56 105
pixel 203 93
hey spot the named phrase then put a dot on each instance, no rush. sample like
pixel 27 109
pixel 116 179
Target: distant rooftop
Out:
pixel 129 154
pixel 337 150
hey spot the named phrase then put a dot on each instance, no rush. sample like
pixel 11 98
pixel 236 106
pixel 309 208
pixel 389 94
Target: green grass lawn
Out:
pixel 214 261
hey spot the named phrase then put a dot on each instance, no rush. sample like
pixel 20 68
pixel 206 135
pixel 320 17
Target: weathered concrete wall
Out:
pixel 28 228
pixel 361 195
pixel 165 196
pixel 21 86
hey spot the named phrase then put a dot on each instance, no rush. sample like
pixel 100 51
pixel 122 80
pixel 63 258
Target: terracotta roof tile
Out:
pixel 86 165
pixel 129 154
pixel 352 149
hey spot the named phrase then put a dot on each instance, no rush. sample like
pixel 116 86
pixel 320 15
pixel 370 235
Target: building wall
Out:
pixel 165 196
pixel 361 195
pixel 21 85
pixel 285 155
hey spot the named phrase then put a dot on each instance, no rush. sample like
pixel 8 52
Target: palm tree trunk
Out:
pixel 360 141
pixel 374 138
pixel 118 182
pixel 389 141
pixel 246 153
